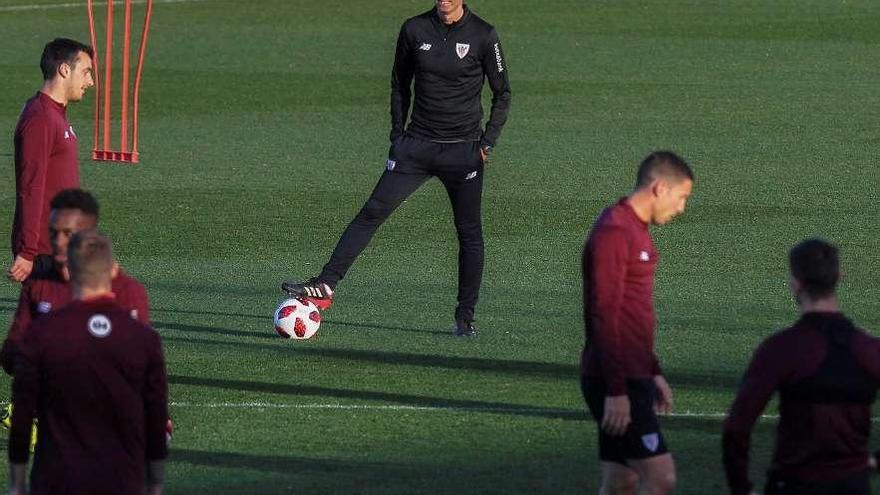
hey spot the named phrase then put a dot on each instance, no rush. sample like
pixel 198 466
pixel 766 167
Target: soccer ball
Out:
pixel 295 319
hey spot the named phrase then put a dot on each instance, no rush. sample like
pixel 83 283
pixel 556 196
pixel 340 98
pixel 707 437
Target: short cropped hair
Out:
pixel 76 199
pixel 815 264
pixel 59 51
pixel 90 259
pixel 665 165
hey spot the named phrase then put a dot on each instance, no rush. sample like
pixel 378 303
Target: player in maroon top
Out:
pixel 827 373
pixel 72 210
pixel 620 374
pixel 96 379
pixel 45 150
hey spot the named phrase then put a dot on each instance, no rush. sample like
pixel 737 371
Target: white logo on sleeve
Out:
pixel 644 256
pixel 99 326
pixel 462 49
pixel 425 47
pixel 651 441
pixel 390 165
pixel 498 60
pixel 44 307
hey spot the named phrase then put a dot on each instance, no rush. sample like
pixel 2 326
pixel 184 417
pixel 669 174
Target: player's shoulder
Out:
pixel 124 281
pixel 419 21
pixel 478 23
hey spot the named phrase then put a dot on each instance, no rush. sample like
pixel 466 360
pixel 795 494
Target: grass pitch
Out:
pixel 264 127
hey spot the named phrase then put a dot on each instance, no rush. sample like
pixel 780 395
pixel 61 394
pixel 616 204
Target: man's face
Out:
pixel 80 77
pixel 670 199
pixel 63 224
pixel 447 7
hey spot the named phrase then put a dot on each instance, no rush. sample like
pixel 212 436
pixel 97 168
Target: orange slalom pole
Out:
pixel 126 67
pixel 137 79
pixel 108 54
pixel 94 40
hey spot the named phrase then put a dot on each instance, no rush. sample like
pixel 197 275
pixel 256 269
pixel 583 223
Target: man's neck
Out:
pixel 82 293
pixel 451 18
pixel 54 90
pixel 641 202
pixel 824 305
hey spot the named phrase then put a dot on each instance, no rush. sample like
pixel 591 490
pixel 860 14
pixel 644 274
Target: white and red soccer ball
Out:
pixel 295 319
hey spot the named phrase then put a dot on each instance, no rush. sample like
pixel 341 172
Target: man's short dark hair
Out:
pixel 816 265
pixel 76 199
pixel 90 258
pixel 665 165
pixel 59 51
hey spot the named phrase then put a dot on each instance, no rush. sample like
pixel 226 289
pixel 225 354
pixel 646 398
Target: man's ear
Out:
pixel 659 187
pixel 64 70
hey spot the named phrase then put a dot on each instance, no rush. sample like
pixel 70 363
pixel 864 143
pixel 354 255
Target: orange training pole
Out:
pixel 137 79
pixel 126 49
pixel 108 59
pixel 94 42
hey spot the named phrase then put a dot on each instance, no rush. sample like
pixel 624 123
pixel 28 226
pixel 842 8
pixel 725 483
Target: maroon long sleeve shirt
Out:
pixel 41 294
pixel 823 440
pixel 45 164
pixel 618 264
pixel 96 379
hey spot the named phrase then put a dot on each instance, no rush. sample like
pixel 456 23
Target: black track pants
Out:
pixel 413 161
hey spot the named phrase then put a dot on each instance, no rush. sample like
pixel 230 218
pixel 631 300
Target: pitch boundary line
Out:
pixel 70 5
pixel 403 407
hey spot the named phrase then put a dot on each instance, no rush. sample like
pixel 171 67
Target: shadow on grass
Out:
pixel 554 370
pixel 182 327
pixel 465 405
pixel 288 464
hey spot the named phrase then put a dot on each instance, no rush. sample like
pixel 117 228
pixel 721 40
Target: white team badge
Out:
pixel 425 47
pixel 390 164
pixel 651 441
pixel 134 314
pixel 462 49
pixel 99 326
pixel 44 307
pixel 644 256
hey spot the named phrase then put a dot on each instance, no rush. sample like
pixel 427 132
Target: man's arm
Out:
pixel 20 322
pixel 35 144
pixel 604 269
pixel 495 68
pixel 25 392
pixel 758 385
pixel 156 403
pixel 401 85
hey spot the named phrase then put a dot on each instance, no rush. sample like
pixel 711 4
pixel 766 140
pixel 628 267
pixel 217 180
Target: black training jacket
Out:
pixel 448 64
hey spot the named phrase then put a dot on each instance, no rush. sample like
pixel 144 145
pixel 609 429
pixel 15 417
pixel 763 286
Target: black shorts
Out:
pixel 857 484
pixel 643 438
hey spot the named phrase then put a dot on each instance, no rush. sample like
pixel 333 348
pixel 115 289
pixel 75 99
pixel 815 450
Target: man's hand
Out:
pixel 664 395
pixel 20 269
pixel 484 153
pixel 617 415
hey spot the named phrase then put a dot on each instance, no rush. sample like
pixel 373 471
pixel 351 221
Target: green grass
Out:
pixel 264 127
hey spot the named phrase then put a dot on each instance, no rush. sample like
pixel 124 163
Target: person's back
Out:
pixel 96 379
pixel 827 373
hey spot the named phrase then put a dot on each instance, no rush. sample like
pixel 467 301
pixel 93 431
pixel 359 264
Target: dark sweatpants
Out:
pixel 413 161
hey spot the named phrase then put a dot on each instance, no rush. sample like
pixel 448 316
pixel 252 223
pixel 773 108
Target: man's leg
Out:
pixel 390 191
pixel 618 479
pixel 465 191
pixel 656 474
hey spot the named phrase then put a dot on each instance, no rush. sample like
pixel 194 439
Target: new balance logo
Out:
pixel 644 256
pixel 651 441
pixel 471 175
pixel 425 47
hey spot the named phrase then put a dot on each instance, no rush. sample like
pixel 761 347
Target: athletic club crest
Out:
pixel 651 441
pixel 462 49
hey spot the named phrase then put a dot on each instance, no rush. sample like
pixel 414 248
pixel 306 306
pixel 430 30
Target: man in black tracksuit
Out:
pixel 448 52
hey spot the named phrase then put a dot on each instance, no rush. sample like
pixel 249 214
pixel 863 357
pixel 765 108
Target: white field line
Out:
pixel 401 407
pixel 73 5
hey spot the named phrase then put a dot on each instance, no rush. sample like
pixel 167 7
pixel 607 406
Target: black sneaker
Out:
pixel 312 289
pixel 464 328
